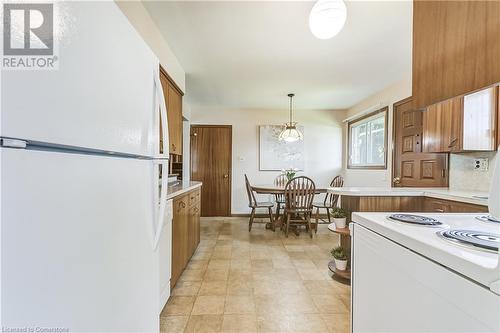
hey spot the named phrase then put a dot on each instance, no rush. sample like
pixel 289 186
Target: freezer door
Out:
pixel 77 242
pixel 103 94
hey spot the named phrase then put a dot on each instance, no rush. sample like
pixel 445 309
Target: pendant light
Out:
pixel 291 133
pixel 327 18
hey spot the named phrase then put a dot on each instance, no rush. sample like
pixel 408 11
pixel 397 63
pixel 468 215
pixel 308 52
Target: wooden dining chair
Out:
pixel 281 181
pixel 254 204
pixel 329 202
pixel 299 196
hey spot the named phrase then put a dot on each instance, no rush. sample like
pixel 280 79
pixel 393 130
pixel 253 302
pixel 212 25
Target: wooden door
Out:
pixel 211 164
pixel 411 167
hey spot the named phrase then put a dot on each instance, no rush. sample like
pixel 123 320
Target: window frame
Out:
pixel 385 111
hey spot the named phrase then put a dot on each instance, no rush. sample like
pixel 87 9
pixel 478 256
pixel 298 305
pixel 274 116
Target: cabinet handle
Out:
pixel 453 143
pixel 396 180
pixel 439 210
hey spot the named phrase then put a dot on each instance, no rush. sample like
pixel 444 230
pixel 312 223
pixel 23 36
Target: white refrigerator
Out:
pixel 81 209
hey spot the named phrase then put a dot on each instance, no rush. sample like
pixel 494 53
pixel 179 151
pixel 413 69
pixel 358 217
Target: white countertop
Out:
pixel 472 197
pixel 181 188
pixel 480 266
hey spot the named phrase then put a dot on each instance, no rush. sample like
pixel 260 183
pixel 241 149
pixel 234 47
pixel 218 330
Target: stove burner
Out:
pixel 487 218
pixel 478 239
pixel 415 219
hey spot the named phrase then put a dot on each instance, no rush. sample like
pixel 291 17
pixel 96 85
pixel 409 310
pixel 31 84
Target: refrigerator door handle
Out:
pixel 160 99
pixel 162 203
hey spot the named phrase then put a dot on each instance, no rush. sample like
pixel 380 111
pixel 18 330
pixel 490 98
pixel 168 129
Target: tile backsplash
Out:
pixel 464 177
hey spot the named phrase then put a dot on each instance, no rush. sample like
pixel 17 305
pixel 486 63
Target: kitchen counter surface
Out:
pixel 472 197
pixel 181 188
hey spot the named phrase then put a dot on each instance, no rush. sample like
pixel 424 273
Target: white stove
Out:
pixel 422 273
pixel 477 264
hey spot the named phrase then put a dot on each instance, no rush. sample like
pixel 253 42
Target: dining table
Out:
pixel 276 189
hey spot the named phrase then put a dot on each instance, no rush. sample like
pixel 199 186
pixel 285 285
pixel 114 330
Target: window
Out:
pixel 368 141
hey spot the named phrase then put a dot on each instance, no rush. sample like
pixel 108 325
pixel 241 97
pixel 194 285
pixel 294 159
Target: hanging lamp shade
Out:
pixel 290 133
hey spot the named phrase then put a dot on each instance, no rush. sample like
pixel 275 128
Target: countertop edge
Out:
pixel 371 192
pixel 176 190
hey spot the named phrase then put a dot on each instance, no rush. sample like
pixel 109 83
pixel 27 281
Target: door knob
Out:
pixel 396 180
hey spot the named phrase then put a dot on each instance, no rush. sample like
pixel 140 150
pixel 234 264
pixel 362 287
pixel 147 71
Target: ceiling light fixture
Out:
pixel 327 18
pixel 291 133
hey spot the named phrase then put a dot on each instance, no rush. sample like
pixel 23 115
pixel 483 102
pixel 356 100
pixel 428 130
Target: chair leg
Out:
pixel 328 214
pixel 308 218
pixel 317 223
pixel 271 219
pixel 287 225
pixel 252 215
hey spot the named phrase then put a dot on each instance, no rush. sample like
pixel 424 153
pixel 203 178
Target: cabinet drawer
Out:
pixel 437 206
pixel 194 197
pixel 448 206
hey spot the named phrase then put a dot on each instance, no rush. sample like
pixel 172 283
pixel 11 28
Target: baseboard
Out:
pixel 321 216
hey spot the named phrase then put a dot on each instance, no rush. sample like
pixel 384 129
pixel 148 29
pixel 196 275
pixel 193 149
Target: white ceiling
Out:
pixel 243 54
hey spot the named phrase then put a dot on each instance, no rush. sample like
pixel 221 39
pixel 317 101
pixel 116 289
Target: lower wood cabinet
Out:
pixel 448 206
pixel 185 231
pixel 407 204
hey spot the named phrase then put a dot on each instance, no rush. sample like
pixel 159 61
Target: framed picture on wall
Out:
pixel 276 155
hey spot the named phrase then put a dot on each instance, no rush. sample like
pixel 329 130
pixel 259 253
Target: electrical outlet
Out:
pixel 481 164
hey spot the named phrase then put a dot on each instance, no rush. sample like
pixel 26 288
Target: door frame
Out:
pixel 394 125
pixel 230 127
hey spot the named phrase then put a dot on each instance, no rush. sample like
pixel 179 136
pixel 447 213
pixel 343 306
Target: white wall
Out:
pixel 387 97
pixel 464 177
pixel 322 138
pixel 143 23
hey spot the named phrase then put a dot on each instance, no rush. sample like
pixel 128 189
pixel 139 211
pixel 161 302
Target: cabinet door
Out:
pixel 479 120
pixel 455 48
pixel 179 238
pixel 442 126
pixel 175 120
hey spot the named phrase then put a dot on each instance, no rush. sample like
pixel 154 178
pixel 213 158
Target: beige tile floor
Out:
pixel 257 282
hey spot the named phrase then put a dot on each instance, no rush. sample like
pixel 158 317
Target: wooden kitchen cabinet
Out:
pixel 179 237
pixel 466 123
pixel 173 100
pixel 455 49
pixel 441 126
pixel 432 205
pixel 185 231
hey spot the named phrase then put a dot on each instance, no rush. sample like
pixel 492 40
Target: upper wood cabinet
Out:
pixel 456 48
pixel 465 123
pixel 173 100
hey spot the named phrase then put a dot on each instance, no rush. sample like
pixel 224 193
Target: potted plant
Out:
pixel 340 258
pixel 290 173
pixel 339 217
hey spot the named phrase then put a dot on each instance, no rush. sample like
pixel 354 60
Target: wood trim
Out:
pixel 169 78
pixel 371 114
pixel 393 151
